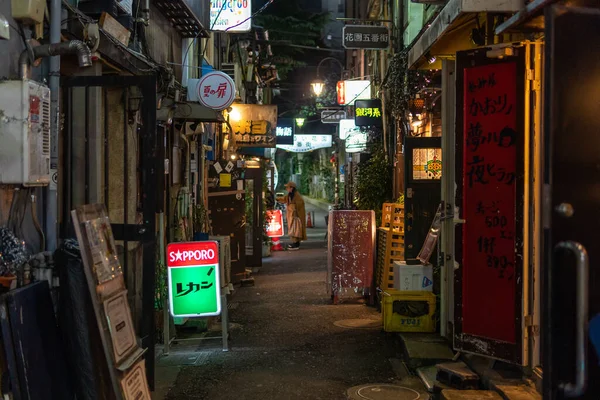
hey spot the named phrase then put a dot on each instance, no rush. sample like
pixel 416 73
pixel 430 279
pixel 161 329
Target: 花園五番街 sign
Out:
pixel 368 113
pixel 193 275
pixel 216 90
pixel 366 37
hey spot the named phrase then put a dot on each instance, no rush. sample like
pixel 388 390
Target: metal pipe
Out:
pixel 51 215
pixel 83 52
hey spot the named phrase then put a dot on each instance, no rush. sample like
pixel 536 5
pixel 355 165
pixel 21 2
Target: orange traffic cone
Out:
pixel 276 246
pixel 309 222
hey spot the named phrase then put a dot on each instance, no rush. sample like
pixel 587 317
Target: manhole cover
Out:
pixel 358 324
pixel 382 391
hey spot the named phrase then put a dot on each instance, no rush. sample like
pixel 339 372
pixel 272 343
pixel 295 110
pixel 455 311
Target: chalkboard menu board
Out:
pixel 351 257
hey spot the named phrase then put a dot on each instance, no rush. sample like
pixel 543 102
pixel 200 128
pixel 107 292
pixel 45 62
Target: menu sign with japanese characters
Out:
pixel 491 139
pixel 193 272
pixel 366 37
pixel 256 125
pixel 368 113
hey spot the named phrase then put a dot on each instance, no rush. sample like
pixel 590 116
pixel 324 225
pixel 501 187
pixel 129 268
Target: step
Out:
pixel 515 391
pixel 457 375
pixel 453 394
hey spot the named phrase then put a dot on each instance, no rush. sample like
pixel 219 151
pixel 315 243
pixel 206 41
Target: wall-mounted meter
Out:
pixel 24 133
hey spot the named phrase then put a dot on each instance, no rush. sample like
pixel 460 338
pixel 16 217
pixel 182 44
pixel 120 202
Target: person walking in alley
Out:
pixel 296 216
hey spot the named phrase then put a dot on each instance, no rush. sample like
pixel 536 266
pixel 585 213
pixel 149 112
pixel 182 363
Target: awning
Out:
pixel 188 111
pixel 457 19
pixel 528 19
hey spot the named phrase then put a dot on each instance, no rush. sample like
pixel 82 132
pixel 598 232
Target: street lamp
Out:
pixel 318 84
pixel 300 122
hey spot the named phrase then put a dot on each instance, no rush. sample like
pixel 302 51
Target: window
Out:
pixel 427 164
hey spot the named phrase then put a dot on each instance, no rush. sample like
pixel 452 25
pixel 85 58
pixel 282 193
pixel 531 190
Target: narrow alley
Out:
pixel 285 340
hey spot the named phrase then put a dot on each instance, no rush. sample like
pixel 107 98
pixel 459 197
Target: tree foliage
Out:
pixel 374 182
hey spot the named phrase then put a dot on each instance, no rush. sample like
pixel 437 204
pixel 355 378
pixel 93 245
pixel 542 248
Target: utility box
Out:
pixel 413 277
pixel 24 133
pixel 30 11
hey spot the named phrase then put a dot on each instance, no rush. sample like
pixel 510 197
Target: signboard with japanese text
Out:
pixel 332 116
pixel 216 90
pixel 255 125
pixel 350 91
pixel 357 142
pixel 285 131
pixel 193 274
pixel 368 113
pixel 306 143
pixel 274 223
pixel 366 37
pixel 489 197
pixel 347 127
pixel 231 15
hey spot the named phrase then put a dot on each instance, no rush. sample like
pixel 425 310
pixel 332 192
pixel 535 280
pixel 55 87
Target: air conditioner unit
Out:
pixel 24 133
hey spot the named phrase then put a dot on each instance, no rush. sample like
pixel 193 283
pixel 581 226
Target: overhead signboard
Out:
pixel 306 143
pixel 368 113
pixel 285 131
pixel 231 15
pixel 347 126
pixel 216 90
pixel 356 142
pixel 367 37
pixel 349 91
pixel 193 275
pixel 254 125
pixel 332 116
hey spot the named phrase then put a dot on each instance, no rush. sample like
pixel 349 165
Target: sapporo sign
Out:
pixel 366 37
pixel 368 113
pixel 193 279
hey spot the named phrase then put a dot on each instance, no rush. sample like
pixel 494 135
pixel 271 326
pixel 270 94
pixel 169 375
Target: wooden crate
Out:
pixel 390 248
pixel 392 216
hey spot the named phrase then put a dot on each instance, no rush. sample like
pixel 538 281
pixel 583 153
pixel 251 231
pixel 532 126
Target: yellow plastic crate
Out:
pixel 394 322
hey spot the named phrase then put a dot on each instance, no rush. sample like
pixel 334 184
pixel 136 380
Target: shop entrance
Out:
pixel 571 292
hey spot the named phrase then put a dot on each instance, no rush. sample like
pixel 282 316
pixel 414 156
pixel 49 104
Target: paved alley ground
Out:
pixel 284 342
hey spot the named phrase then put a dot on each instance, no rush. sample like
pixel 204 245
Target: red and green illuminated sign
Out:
pixel 193 273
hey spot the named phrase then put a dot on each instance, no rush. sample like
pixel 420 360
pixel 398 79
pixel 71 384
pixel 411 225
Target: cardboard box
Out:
pixel 413 278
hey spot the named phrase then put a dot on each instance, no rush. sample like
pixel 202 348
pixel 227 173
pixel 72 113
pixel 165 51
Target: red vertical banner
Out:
pixel 491 137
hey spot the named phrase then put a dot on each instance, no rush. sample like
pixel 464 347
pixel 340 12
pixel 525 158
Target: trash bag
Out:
pixel 76 320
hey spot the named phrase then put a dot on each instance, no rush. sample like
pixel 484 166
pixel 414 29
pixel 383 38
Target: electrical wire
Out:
pixel 198 35
pixel 263 8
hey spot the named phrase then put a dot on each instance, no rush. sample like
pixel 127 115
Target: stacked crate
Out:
pixel 390 244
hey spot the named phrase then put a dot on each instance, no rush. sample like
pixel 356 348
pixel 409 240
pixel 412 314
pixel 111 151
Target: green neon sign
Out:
pixel 194 284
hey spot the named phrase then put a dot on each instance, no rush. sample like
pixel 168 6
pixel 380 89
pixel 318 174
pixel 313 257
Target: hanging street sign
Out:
pixel 216 90
pixel 366 37
pixel 285 131
pixel 231 16
pixel 347 127
pixel 332 116
pixel 356 142
pixel 349 91
pixel 254 125
pixel 306 143
pixel 368 113
pixel 275 225
pixel 193 279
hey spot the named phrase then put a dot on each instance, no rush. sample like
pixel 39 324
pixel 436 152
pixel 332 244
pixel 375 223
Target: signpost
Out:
pixel 275 226
pixel 332 116
pixel 194 282
pixel 285 131
pixel 366 37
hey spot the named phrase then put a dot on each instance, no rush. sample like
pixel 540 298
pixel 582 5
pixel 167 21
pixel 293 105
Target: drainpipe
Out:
pixel 54 50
